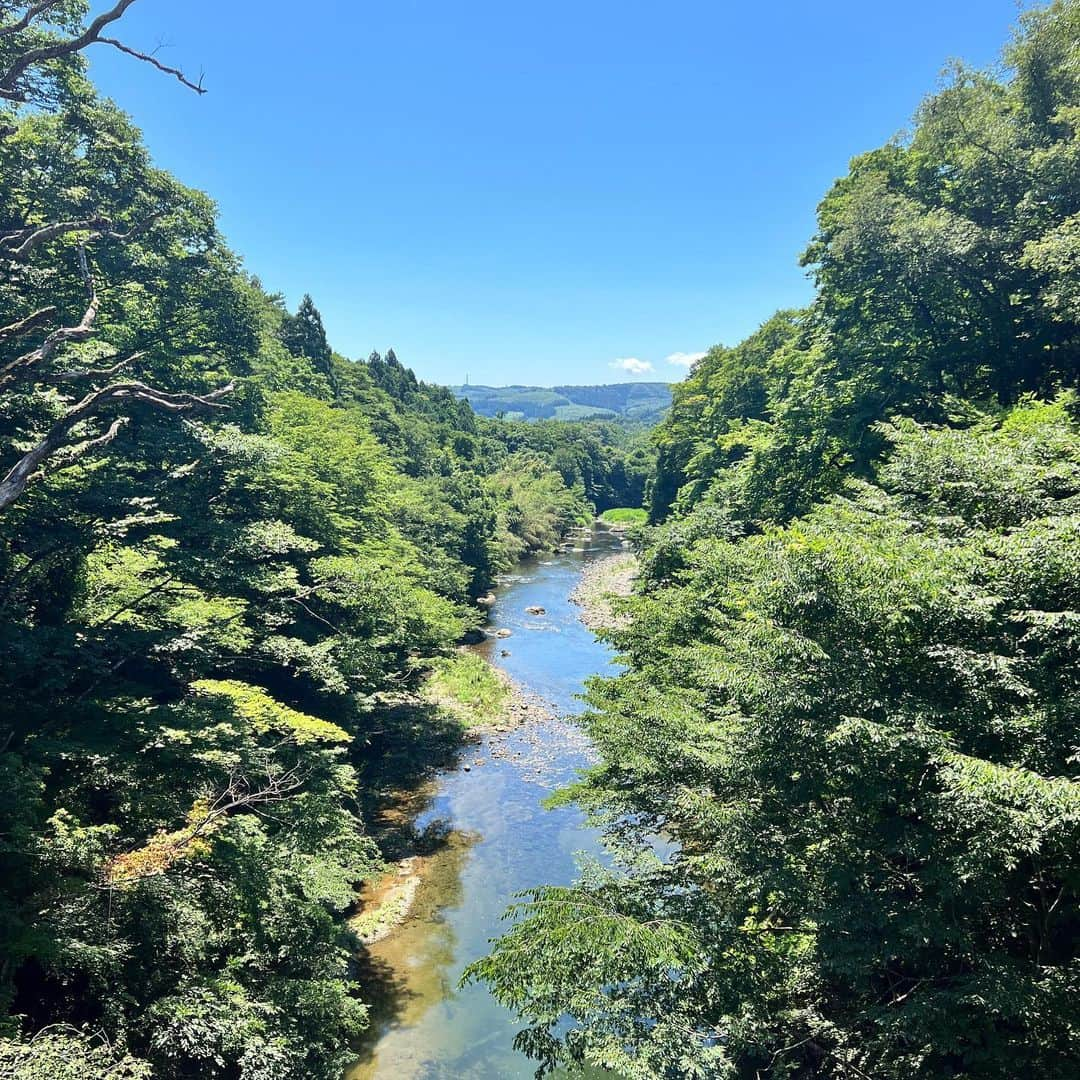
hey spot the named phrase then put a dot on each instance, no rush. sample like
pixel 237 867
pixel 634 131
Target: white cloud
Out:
pixel 684 359
pixel 632 365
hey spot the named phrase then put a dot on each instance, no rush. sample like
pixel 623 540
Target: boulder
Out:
pixel 535 609
pixel 487 600
pixel 503 632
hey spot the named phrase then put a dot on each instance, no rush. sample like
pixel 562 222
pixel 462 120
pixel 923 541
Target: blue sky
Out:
pixel 534 192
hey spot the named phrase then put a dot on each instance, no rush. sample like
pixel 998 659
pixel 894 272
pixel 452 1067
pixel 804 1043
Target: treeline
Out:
pixel 225 552
pixel 853 667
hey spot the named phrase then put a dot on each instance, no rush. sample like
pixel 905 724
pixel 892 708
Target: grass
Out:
pixel 469 687
pixel 371 924
pixel 624 515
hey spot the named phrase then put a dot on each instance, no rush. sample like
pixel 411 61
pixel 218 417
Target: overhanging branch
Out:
pixel 10 89
pixel 149 58
pixel 58 438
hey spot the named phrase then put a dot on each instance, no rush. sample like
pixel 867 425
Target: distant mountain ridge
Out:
pixel 641 402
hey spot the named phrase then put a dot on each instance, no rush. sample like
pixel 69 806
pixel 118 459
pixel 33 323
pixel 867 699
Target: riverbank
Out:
pixel 601 583
pixel 488 703
pixel 468 832
pixel 481 696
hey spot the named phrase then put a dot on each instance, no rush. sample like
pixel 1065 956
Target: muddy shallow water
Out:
pixel 493 838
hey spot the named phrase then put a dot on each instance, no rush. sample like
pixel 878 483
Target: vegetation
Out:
pixel 624 515
pixel 470 687
pixel 838 769
pixel 226 553
pixel 614 466
pixel 850 698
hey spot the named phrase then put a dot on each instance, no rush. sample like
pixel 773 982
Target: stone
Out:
pixel 535 609
pixel 503 632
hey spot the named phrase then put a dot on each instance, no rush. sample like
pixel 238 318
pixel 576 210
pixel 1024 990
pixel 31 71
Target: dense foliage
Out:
pixel 223 550
pixel 839 773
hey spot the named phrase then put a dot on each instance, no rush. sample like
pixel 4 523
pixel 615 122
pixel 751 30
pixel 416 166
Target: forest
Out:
pixel 227 554
pixel 838 769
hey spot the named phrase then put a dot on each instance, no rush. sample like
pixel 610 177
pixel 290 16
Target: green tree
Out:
pixel 303 335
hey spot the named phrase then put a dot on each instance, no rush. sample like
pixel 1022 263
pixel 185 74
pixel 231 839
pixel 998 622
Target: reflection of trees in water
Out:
pixel 407 973
pixel 408 742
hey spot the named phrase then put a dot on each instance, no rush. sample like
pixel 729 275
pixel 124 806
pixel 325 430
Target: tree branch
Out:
pixel 9 81
pixel 149 58
pixel 58 337
pixel 77 450
pixel 25 469
pixel 25 325
pixel 28 17
pixel 91 373
pixel 30 238
pixel 164 849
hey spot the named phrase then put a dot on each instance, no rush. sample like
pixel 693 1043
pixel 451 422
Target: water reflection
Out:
pixel 496 841
pixel 412 968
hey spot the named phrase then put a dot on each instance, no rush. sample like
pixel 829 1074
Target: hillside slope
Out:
pixel 645 402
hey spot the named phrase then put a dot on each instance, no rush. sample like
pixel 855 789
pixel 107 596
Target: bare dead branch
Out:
pixel 80 374
pixel 26 324
pixel 164 849
pixel 135 230
pixel 28 239
pixel 77 450
pixel 148 58
pixel 60 336
pixel 9 81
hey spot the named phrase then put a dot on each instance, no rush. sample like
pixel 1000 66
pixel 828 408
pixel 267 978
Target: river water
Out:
pixel 497 839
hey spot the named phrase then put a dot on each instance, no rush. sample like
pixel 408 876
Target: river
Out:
pixel 497 839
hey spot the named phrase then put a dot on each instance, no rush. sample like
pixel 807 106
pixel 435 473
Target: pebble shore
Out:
pixel 600 582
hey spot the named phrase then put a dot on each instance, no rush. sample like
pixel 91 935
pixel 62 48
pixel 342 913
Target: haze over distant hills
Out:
pixel 642 402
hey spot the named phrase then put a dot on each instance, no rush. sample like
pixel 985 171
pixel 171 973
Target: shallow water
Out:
pixel 498 840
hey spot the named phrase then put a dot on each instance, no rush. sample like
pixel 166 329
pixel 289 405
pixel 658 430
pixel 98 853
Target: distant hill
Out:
pixel 644 402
